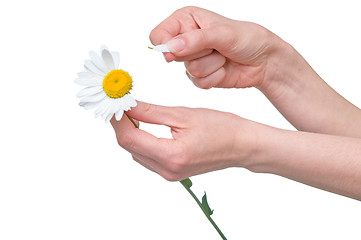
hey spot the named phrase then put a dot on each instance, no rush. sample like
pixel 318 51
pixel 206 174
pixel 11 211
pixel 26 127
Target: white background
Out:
pixel 62 174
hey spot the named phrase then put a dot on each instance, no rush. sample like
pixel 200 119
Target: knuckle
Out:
pixel 202 36
pixel 181 115
pixel 176 166
pixel 178 161
pixel 171 177
pixel 186 9
pixel 203 83
pixel 125 141
pixel 227 30
pixel 195 68
pixel 148 108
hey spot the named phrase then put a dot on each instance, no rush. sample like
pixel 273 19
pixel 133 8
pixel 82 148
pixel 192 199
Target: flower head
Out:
pixel 107 87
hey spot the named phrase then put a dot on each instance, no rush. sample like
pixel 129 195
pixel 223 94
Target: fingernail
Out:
pixel 176 45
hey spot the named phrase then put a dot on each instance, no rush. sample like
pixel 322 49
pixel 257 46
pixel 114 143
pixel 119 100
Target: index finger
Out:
pixel 181 21
pixel 177 23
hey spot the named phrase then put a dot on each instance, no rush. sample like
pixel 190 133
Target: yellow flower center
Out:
pixel 117 83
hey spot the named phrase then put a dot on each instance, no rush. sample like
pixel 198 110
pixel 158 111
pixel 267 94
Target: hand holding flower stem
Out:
pixel 187 184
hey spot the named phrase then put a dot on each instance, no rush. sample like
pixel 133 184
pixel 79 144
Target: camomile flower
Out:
pixel 106 86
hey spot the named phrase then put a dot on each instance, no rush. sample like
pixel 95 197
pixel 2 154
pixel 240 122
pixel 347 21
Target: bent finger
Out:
pixel 206 65
pixel 197 55
pixel 209 81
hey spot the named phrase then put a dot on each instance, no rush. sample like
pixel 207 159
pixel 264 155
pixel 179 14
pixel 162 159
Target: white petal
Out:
pixel 86 74
pixel 116 105
pixel 116 59
pixel 108 59
pixel 119 114
pixel 124 105
pixel 98 61
pixel 107 119
pixel 94 98
pixel 102 47
pixel 103 106
pixel 161 48
pixel 90 66
pixel 89 105
pixel 104 115
pixel 89 91
pixel 93 81
pixel 130 101
pixel 110 110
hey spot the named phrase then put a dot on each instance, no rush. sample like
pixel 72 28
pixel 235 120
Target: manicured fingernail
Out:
pixel 176 45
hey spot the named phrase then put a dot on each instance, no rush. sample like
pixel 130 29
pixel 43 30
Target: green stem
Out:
pixel 205 213
pixel 131 119
pixel 192 194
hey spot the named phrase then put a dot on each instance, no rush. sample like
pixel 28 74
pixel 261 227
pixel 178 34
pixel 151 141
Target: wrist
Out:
pixel 261 159
pixel 286 71
pixel 254 144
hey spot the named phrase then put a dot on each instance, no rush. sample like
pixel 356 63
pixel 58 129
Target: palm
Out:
pixel 242 75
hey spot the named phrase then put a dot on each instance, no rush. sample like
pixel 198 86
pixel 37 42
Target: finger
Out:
pixel 169 57
pixel 157 168
pixel 151 165
pixel 212 80
pixel 190 30
pixel 194 56
pixel 136 140
pixel 161 115
pixel 179 22
pixel 217 37
pixel 206 65
pixel 140 159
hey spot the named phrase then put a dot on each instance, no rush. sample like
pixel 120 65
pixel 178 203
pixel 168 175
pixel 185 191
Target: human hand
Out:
pixel 221 52
pixel 203 140
pixel 217 51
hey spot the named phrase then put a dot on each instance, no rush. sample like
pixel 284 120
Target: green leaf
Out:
pixel 205 205
pixel 187 183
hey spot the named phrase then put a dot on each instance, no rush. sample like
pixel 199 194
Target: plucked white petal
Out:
pixel 89 91
pixel 116 59
pixel 90 66
pixel 94 98
pixel 98 61
pixel 161 48
pixel 93 81
pixel 108 59
pixel 119 114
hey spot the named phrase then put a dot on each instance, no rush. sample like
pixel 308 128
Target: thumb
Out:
pixel 156 114
pixel 219 38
